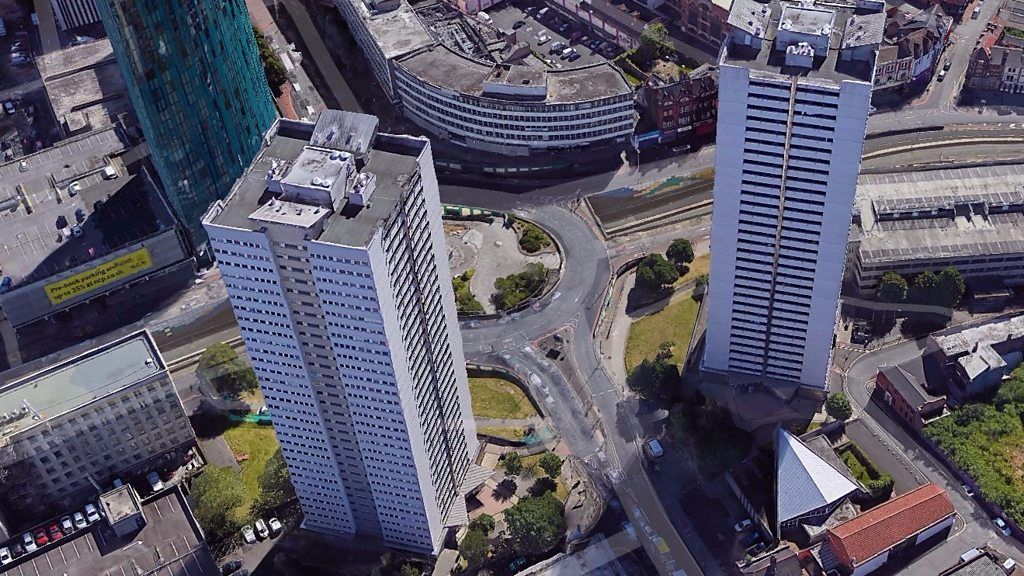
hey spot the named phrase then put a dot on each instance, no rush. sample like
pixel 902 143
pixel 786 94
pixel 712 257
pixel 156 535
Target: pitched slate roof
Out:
pixel 804 481
pixel 875 531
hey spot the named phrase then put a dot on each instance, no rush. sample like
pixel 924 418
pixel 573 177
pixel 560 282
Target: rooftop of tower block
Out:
pixel 338 178
pixel 830 41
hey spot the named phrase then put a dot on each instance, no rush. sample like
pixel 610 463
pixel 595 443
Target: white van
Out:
pixel 109 173
pixel 543 12
pixel 484 17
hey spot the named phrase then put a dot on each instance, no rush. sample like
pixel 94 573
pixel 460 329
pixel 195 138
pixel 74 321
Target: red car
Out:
pixel 55 533
pixel 41 538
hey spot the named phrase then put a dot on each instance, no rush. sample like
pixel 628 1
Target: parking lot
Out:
pixel 576 36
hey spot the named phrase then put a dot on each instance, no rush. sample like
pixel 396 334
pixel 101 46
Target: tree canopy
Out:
pixel 275 485
pixel 515 288
pixel 551 464
pixel 838 406
pixel 465 301
pixel 217 492
pixel 654 380
pixel 892 288
pixel 533 239
pixel 222 367
pixel 680 252
pixel 513 463
pixel 535 525
pixel 475 547
pixel 273 68
pixel 654 43
pixel 654 272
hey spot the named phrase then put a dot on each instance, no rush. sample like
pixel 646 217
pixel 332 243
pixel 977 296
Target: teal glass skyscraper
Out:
pixel 195 77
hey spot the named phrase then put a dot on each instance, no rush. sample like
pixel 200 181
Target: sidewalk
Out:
pixel 321 56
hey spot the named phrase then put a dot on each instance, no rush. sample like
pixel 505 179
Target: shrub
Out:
pixel 515 288
pixel 654 272
pixel 680 252
pixel 273 68
pixel 533 239
pixel 838 406
pixel 465 301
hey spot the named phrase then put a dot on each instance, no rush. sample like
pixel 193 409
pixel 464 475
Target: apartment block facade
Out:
pixel 792 120
pixel 110 412
pixel 333 254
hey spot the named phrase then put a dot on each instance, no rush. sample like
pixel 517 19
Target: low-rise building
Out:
pixel 808 487
pixel 983 561
pixel 864 544
pixel 997 62
pixel 469 87
pixel 85 86
pixel 705 20
pixel 971 219
pixel 87 226
pixel 976 358
pixel 110 412
pixel 681 105
pixel 904 388
pixel 909 52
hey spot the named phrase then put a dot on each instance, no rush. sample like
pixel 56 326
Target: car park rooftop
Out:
pixel 84 85
pixel 170 544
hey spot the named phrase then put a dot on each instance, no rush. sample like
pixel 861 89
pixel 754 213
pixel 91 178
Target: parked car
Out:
pixel 231 567
pixel 79 520
pixel 261 529
pixel 5 284
pixel 17 551
pixel 741 525
pixel 518 24
pixel 248 535
pixel 941 76
pixel 566 53
pixel 557 47
pixel 5 557
pixel 275 526
pixel 76 231
pixel 91 513
pixel 573 57
pixel 1001 524
pixel 967 490
pixel 543 39
pixel 108 173
pixel 55 533
pixel 653 449
pixel 594 43
pixel 947 64
pixel 74 188
pixel 40 537
pixel 66 526
pixel 9 107
pixel 564 28
pixel 154 481
pixel 28 542
pixel 976 13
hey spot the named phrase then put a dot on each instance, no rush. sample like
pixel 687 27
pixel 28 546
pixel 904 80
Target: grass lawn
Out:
pixel 507 432
pixel 258 443
pixel 700 265
pixel 499 398
pixel 674 322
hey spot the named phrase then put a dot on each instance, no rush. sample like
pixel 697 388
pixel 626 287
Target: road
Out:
pixel 977 527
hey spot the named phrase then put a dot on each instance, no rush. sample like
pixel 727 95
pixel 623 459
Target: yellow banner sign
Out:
pixel 99 276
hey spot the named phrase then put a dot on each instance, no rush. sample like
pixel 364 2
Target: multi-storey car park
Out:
pixel 481 88
pixel 794 91
pixel 972 219
pixel 333 255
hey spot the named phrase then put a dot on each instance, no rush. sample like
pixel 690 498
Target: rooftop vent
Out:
pixel 786 24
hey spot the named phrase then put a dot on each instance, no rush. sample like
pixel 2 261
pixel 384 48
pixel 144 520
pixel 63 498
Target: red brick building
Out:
pixel 684 106
pixel 865 543
pixel 705 20
pixel 905 389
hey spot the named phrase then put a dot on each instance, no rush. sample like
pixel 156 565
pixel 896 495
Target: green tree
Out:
pixel 654 43
pixel 275 485
pixel 475 547
pixel 535 525
pixel 680 252
pixel 1011 391
pixel 654 272
pixel 949 287
pixel 532 239
pixel 701 281
pixel 465 301
pixel 551 464
pixel 221 366
pixel 654 380
pixel 513 463
pixel 217 492
pixel 482 523
pixel 273 68
pixel 408 569
pixel 924 288
pixel 515 288
pixel 838 406
pixel 892 288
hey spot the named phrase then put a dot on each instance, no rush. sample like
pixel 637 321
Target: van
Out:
pixel 109 173
pixel 484 17
pixel 543 12
pixel 976 13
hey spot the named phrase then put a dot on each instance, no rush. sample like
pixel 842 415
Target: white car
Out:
pixel 261 529
pixel 28 542
pixel 741 525
pixel 248 535
pixel 108 173
pixel 154 481
pixel 66 526
pixel 1001 524
pixel 5 556
pixel 74 188
pixel 967 490
pixel 79 520
pixel 91 513
pixel 9 107
pixel 275 526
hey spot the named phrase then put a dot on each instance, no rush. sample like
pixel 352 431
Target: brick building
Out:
pixel 681 105
pixel 904 388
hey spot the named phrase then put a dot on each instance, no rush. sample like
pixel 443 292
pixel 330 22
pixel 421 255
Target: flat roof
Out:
pixel 78 381
pixel 449 69
pixel 843 26
pixel 940 214
pixel 170 544
pixel 398 31
pixel 393 160
pixel 84 80
pixel 964 339
pixel 120 503
pixel 132 209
